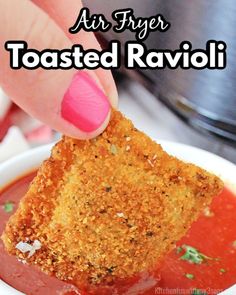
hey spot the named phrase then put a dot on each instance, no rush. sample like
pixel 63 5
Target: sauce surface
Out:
pixel 213 236
pixel 23 277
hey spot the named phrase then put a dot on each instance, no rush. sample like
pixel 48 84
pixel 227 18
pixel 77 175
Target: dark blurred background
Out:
pixel 205 100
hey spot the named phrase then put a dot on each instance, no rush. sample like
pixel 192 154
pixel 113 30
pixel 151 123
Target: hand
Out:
pixel 76 103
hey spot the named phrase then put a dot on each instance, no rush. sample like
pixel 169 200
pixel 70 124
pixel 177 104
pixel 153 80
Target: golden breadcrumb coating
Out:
pixel 108 208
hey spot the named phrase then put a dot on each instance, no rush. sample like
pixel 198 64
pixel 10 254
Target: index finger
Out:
pixel 64 15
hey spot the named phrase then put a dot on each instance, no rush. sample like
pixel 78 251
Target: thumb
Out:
pixel 69 101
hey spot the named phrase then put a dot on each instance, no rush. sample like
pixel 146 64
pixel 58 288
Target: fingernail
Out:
pixel 84 104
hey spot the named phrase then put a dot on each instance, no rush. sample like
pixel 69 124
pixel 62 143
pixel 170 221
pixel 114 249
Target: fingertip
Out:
pixel 113 98
pixel 109 88
pixel 84 104
pixel 100 129
pixel 69 129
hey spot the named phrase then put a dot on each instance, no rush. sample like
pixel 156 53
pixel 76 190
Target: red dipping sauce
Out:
pixel 214 235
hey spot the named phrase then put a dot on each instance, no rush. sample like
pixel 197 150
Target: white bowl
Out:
pixel 26 162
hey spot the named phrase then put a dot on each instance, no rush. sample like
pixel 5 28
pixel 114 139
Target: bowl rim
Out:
pixel 31 159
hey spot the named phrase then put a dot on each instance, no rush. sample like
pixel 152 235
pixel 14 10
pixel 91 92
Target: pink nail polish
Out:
pixel 84 103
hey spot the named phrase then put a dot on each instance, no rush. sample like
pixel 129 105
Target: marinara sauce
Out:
pixel 204 261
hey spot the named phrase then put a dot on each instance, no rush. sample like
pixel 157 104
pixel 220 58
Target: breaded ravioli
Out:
pixel 107 208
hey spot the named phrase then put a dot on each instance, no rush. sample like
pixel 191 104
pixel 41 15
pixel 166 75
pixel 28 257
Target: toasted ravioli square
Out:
pixel 107 208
